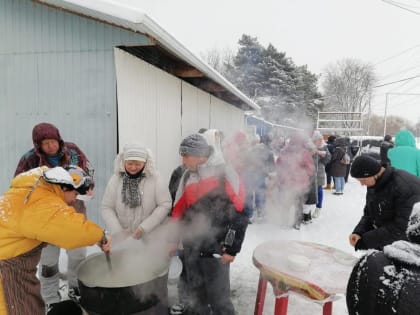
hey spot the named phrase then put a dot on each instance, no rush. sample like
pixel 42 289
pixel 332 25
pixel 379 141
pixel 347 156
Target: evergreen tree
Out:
pixel 247 73
pixel 283 90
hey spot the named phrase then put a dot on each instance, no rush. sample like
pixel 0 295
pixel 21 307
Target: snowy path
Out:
pixel 338 218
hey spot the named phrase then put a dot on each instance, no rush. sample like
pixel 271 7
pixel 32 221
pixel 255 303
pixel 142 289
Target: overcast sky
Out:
pixel 311 32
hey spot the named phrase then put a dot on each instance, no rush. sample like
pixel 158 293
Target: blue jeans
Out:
pixel 320 197
pixel 260 193
pixel 339 184
pixel 249 204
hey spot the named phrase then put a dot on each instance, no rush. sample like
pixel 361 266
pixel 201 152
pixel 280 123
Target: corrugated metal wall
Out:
pixel 151 98
pixel 149 109
pixel 225 117
pixel 195 109
pixel 59 68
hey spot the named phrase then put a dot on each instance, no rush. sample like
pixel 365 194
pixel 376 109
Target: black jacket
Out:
pixel 385 146
pixel 211 222
pixel 388 207
pixel 228 226
pixel 379 285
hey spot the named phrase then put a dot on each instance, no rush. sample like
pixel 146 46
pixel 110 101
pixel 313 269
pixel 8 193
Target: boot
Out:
pixel 307 218
pixel 327 187
pixel 316 213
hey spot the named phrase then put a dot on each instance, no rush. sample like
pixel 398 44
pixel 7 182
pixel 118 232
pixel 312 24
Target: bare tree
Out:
pixel 393 125
pixel 348 87
pixel 219 59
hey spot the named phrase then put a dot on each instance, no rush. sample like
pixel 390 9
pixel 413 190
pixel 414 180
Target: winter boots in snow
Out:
pixel 74 294
pixel 317 213
pixel 307 218
pixel 327 187
pixel 67 307
pixel 178 309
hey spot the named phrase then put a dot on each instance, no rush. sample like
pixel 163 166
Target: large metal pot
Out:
pixel 136 282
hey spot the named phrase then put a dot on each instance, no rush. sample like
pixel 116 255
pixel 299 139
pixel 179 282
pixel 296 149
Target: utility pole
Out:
pixel 386 105
pixel 368 120
pixel 386 108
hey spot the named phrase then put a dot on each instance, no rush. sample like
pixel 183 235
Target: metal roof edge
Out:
pixel 136 20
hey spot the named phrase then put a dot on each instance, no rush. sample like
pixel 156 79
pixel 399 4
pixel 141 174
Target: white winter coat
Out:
pixel 153 211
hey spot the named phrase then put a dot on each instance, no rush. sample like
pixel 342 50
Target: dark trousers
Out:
pixel 346 177
pixel 208 284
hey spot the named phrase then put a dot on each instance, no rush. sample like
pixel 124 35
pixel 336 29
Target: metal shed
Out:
pixel 104 74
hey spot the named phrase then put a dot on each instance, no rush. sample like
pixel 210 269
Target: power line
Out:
pixel 400 6
pixel 397 55
pixel 400 72
pixel 389 83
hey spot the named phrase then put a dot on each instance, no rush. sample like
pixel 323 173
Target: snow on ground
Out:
pixel 339 216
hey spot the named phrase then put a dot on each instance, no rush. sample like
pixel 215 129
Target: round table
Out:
pixel 316 271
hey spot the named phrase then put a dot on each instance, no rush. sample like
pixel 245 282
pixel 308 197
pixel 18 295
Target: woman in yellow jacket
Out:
pixel 33 212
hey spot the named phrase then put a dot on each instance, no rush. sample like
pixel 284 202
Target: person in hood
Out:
pixel 208 207
pixel 387 282
pixel 405 155
pixel 386 144
pixel 50 150
pixel 295 177
pixel 321 158
pixel 390 196
pixel 214 137
pixel 136 201
pixel 136 204
pixel 35 211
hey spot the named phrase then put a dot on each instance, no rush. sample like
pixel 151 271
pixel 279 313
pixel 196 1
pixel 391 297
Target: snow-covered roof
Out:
pixel 131 18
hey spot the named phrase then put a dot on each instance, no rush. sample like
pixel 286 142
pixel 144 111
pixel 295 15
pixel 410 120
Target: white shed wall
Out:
pixel 159 110
pixel 149 107
pixel 225 117
pixel 195 109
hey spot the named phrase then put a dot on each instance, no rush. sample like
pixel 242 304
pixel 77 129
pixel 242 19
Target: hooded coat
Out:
pixel 380 285
pixel 387 282
pixel 210 202
pixel 405 155
pixel 68 152
pixel 337 168
pixel 155 204
pixel 33 212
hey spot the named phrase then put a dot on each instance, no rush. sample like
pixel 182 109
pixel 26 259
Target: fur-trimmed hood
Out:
pixel 149 167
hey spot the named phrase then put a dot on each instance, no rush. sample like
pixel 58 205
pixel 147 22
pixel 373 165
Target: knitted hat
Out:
pixel 195 145
pixel 331 139
pixel 135 152
pixel 413 228
pixel 364 166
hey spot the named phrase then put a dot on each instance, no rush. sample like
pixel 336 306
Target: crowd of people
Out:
pixel 201 214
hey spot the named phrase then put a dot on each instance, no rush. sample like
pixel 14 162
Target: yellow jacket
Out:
pixel 32 212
